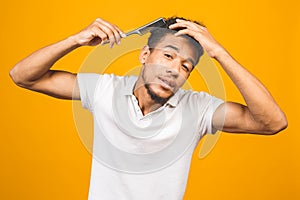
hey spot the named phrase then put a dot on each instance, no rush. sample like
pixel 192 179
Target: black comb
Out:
pixel 160 22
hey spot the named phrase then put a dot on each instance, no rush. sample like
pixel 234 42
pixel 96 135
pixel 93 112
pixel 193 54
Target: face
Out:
pixel 168 65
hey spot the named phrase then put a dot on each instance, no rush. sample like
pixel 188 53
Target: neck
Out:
pixel 146 103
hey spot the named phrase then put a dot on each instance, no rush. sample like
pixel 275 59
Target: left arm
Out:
pixel 262 114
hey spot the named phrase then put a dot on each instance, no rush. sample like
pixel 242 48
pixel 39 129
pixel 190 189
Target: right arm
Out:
pixel 34 71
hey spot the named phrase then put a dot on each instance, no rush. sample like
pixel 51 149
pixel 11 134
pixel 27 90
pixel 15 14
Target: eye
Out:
pixel 185 68
pixel 169 56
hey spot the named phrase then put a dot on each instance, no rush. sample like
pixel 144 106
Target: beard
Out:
pixel 155 97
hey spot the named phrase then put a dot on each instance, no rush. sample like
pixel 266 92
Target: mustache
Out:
pixel 164 74
pixel 168 79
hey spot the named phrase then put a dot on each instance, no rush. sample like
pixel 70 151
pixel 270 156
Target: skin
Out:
pixel 260 115
pixel 165 69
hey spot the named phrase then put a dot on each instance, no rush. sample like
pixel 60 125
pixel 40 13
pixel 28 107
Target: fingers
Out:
pixel 186 24
pixel 189 28
pixel 112 32
pixel 200 34
pixel 97 32
pixel 100 32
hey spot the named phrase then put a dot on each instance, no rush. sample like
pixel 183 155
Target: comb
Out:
pixel 160 22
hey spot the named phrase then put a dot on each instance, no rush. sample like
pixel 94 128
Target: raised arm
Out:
pixel 34 71
pixel 261 115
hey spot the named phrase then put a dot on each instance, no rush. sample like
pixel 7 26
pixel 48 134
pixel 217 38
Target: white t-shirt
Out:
pixel 138 157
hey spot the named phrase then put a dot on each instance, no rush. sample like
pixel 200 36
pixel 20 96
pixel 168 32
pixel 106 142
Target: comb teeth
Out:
pixel 155 24
pixel 160 22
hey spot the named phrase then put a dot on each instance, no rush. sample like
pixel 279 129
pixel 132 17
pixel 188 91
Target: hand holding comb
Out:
pixel 160 22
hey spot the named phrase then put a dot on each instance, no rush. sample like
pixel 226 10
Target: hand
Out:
pixel 99 32
pixel 199 33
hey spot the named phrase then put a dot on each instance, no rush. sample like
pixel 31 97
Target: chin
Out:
pixel 161 92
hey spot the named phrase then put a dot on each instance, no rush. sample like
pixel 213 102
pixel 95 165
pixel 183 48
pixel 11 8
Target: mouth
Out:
pixel 166 83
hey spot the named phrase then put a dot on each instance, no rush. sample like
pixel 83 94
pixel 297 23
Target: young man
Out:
pixel 146 127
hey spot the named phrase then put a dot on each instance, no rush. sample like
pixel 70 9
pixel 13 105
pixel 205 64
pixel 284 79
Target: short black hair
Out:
pixel 157 34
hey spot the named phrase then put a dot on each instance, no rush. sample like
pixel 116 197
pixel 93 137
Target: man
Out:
pixel 146 127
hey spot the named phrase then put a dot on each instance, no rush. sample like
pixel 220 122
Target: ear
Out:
pixel 145 52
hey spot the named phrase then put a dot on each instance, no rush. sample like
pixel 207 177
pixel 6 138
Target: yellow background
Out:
pixel 42 156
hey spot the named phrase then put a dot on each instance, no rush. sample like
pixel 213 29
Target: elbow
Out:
pixel 283 125
pixel 16 78
pixel 13 76
pixel 278 126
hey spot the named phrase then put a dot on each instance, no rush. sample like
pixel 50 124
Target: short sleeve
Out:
pixel 87 83
pixel 213 104
pixel 204 105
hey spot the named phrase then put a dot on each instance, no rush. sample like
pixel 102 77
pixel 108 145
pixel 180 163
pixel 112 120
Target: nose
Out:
pixel 172 72
pixel 173 69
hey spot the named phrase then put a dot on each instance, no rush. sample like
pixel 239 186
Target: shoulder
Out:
pixel 190 95
pixel 106 82
pixel 198 99
pixel 88 77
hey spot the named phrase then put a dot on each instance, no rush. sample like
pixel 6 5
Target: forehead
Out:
pixel 181 44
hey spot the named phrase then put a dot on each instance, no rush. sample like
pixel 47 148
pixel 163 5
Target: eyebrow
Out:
pixel 172 47
pixel 177 50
